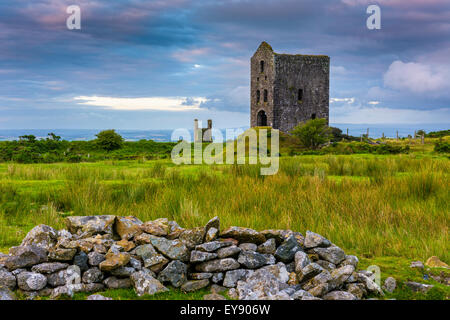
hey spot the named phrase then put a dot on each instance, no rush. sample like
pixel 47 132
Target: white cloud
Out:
pixel 374 102
pixel 147 103
pixel 416 77
pixel 347 100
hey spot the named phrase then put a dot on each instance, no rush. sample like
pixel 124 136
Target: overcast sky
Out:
pixel 143 64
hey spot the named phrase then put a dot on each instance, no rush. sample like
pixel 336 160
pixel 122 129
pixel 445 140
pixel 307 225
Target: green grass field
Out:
pixel 386 209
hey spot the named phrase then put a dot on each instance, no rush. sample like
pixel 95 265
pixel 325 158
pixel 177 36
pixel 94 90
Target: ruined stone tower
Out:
pixel 287 89
pixel 202 134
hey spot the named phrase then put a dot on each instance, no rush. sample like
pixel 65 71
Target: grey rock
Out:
pixel 97 297
pixel 322 278
pixel 173 249
pixel 268 247
pixel 95 258
pixel 369 284
pixel 340 275
pixel 350 260
pixel 278 270
pixel 286 251
pixel 298 295
pixel 175 273
pixel 417 264
pixel 301 260
pixel 213 223
pixel 92 275
pixel 217 289
pixel 194 285
pixel 357 289
pixel 25 256
pixel 218 265
pixel 313 240
pixel 6 294
pixel 228 252
pixel 326 265
pixel 243 235
pixel 217 277
pixel 81 260
pixel 123 271
pixel 117 283
pixel 319 290
pixel 252 259
pixel 61 254
pixel 90 225
pixel 201 275
pixel 233 294
pixel 331 254
pixel 156 262
pixel 418 287
pixel 7 279
pixel 42 236
pixel 390 284
pixel 212 246
pixel 31 281
pixel 212 234
pixel 310 271
pixel 248 246
pixel 201 256
pixel 49 267
pixel 339 295
pixel 260 285
pixel 233 276
pixel 135 263
pixel 192 237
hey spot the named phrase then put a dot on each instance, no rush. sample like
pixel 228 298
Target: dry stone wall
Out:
pixel 96 253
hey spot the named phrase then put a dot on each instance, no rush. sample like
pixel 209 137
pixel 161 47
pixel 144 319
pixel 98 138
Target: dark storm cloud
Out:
pixel 186 48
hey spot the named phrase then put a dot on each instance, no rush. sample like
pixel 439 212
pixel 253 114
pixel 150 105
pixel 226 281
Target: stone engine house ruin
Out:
pixel 287 89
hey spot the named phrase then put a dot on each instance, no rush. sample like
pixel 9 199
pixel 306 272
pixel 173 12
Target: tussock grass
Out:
pixel 370 205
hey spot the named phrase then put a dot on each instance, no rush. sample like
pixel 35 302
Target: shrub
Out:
pixel 313 133
pixel 442 147
pixel 109 140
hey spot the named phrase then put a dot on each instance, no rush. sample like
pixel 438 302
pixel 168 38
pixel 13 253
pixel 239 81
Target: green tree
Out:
pixel 109 140
pixel 313 133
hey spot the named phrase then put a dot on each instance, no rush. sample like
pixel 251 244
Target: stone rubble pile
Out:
pixel 96 253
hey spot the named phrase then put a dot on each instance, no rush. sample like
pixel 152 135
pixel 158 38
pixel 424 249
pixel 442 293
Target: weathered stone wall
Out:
pixel 96 253
pixel 283 76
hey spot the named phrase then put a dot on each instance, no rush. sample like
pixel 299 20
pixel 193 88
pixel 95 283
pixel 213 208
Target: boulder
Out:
pixel 64 277
pixel 114 261
pixel 123 272
pixel 313 240
pixel 158 227
pixel 127 227
pixel 200 256
pixel 417 264
pixel 339 295
pixel 86 226
pixel 356 289
pixel 175 273
pixel 278 235
pixel 156 262
pixel 61 254
pixel 252 259
pixel 31 281
pixel 6 294
pixel 331 254
pixel 212 246
pixel 350 260
pixel 300 294
pixel 268 247
pixel 233 276
pixel 41 236
pixel 390 284
pixel 7 279
pixel 326 265
pixel 217 277
pixel 95 258
pixel 243 235
pixel 322 278
pixel 340 275
pixel 192 237
pixel 286 251
pixel 145 283
pixel 218 265
pixel 126 245
pixel 173 249
pixel 25 256
pixel 418 287
pixel 81 260
pixel 201 275
pixel 369 284
pixel 301 260
pixel 259 285
pixel 213 223
pixel 194 285
pixel 212 234
pixel 92 275
pixel 117 283
pixel 228 251
pixel 49 267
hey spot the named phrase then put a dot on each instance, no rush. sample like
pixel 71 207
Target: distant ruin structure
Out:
pixel 287 89
pixel 202 134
